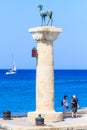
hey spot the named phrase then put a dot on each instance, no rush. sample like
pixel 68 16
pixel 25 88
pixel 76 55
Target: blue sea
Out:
pixel 17 91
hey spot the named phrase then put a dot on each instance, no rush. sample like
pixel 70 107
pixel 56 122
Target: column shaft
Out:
pixel 45 77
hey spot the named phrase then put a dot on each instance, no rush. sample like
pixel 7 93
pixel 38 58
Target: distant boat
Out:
pixel 11 71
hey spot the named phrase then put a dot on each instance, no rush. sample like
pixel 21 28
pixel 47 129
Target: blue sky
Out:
pixel 17 16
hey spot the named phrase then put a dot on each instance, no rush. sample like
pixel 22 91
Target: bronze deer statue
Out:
pixel 45 14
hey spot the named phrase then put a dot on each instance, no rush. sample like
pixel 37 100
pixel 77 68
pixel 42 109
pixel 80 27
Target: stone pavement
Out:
pixel 22 123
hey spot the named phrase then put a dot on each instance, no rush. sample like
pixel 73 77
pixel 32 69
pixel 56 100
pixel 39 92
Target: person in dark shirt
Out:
pixel 74 106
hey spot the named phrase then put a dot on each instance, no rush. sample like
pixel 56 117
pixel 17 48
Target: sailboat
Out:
pixel 13 70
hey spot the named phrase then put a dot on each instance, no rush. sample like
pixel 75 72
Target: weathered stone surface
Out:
pixel 48 117
pixel 79 123
pixel 45 37
pixel 45 33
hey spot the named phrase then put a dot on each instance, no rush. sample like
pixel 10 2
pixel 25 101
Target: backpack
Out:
pixel 62 103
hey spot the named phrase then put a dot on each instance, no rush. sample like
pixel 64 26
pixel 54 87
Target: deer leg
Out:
pixel 42 20
pixel 48 21
pixel 51 21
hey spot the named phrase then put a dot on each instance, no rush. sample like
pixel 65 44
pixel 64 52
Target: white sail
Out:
pixel 13 70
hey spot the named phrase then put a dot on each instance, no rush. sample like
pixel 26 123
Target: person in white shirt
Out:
pixel 65 105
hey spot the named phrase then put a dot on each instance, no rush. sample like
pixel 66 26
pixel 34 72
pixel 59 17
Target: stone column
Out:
pixel 45 37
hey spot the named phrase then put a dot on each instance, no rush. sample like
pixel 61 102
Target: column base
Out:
pixel 48 116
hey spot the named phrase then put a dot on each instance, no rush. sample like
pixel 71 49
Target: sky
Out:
pixel 17 16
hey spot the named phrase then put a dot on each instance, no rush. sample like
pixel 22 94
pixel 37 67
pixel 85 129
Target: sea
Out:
pixel 18 91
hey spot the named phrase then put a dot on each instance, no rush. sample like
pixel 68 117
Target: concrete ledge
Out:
pixel 23 123
pixel 79 123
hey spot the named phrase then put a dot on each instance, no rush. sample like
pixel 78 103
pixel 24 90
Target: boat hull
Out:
pixel 12 72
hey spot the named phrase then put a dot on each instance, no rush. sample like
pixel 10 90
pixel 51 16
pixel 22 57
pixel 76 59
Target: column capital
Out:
pixel 45 33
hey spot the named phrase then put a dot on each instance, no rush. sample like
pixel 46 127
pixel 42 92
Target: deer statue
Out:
pixel 45 14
